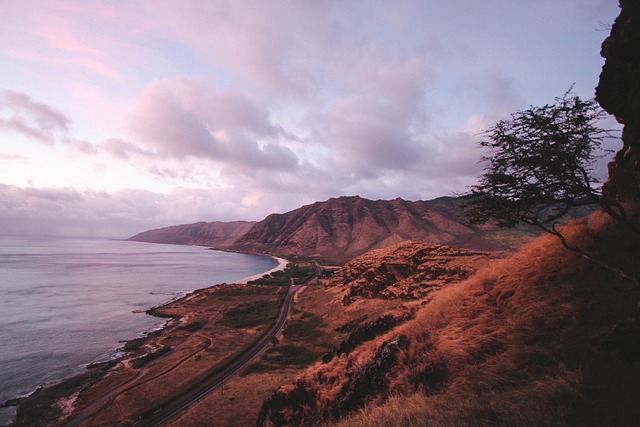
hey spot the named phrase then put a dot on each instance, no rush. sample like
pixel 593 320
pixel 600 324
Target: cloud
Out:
pixel 164 123
pixel 16 157
pixel 380 125
pixel 120 214
pixel 123 149
pixel 35 120
pixel 239 109
pixel 187 118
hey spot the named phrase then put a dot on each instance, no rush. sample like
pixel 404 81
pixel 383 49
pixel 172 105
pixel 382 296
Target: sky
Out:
pixel 121 116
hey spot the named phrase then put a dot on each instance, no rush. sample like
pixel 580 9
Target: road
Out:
pixel 162 415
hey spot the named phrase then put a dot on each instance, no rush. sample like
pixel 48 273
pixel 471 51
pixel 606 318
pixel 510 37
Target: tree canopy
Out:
pixel 540 165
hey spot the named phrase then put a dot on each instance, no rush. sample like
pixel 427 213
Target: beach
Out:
pixel 282 264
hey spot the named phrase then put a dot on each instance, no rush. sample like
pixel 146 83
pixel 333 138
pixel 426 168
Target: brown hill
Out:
pixel 216 234
pixel 544 337
pixel 341 228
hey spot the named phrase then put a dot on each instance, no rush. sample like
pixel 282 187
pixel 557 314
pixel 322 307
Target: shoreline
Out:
pixel 52 393
pixel 282 264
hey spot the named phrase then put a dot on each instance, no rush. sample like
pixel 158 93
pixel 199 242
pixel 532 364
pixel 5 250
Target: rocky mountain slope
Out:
pixel 341 228
pixel 618 92
pixel 216 234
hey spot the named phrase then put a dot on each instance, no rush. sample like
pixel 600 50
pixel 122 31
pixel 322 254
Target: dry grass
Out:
pixel 309 334
pixel 520 343
pixel 518 338
pixel 238 404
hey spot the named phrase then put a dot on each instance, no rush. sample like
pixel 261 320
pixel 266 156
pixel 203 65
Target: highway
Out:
pixel 162 415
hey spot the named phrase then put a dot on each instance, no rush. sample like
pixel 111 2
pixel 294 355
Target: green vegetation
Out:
pixel 141 361
pixel 540 165
pixel 255 368
pixel 250 315
pixel 226 293
pixel 288 355
pixel 305 329
pixel 193 326
pixel 298 271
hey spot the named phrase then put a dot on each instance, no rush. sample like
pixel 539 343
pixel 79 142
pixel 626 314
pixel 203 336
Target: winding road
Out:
pixel 162 415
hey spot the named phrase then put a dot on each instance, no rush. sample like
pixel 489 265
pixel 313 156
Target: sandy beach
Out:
pixel 282 263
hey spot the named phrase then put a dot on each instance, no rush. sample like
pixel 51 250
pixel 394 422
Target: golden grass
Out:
pixel 313 333
pixel 238 404
pixel 517 344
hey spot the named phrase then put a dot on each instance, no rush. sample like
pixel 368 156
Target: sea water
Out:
pixel 69 302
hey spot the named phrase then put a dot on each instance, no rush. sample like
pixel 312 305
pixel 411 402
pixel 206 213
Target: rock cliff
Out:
pixel 618 92
pixel 339 229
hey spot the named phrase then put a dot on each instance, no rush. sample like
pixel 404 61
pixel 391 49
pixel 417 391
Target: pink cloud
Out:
pixel 123 149
pixel 31 118
pixel 186 118
pixel 59 38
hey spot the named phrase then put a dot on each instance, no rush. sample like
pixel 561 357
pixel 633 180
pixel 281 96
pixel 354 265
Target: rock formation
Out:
pixel 409 270
pixel 619 94
pixel 341 228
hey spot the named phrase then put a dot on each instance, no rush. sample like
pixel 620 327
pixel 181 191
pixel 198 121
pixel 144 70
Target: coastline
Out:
pixel 282 263
pixel 59 398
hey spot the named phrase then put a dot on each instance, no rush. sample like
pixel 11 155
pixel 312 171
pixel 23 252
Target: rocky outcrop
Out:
pixel 216 234
pixel 409 270
pixel 364 333
pixel 371 380
pixel 300 404
pixel 618 92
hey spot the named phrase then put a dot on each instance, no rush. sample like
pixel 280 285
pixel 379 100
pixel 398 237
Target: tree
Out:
pixel 540 167
pixel 274 340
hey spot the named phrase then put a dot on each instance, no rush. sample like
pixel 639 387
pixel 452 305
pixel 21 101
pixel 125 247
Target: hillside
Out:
pixel 338 229
pixel 543 337
pixel 407 271
pixel 216 234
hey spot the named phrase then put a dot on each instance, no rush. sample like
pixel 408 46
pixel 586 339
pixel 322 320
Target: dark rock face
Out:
pixel 363 333
pixel 284 408
pixel 300 405
pixel 371 380
pixel 618 92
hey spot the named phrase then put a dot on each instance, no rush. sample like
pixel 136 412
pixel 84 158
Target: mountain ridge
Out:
pixel 217 233
pixel 341 228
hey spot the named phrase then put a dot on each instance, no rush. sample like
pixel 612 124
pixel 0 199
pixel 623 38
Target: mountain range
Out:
pixel 339 229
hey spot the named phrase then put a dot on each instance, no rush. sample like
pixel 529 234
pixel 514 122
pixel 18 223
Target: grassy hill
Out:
pixel 543 337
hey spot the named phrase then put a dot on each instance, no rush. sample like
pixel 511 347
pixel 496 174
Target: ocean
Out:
pixel 69 302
